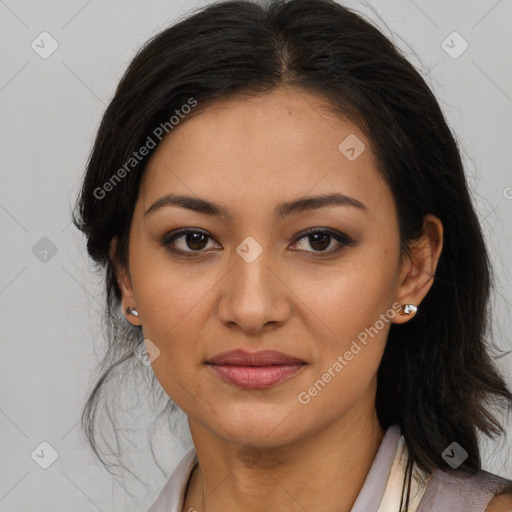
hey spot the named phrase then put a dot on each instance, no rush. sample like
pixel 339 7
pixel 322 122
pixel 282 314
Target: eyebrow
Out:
pixel 282 210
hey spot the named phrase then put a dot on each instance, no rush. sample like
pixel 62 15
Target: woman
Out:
pixel 285 223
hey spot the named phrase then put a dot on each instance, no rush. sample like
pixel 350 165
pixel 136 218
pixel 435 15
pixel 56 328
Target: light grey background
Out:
pixel 50 110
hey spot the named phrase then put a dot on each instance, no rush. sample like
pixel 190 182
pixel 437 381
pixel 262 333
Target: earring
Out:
pixel 407 309
pixel 132 311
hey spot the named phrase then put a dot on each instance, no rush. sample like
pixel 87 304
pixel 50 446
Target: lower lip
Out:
pixel 256 377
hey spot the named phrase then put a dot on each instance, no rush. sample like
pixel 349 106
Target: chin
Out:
pixel 261 426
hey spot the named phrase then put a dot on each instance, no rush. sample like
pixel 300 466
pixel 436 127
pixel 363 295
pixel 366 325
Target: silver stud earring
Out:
pixel 132 311
pixel 409 308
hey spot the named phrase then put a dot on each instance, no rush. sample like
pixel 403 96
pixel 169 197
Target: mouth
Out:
pixel 256 370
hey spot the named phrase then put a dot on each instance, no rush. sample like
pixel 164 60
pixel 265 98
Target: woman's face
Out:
pixel 253 279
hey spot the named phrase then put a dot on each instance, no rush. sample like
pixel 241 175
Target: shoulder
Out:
pixel 500 503
pixel 481 479
pixel 464 491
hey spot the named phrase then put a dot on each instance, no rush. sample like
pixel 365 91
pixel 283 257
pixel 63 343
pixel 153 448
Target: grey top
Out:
pixel 453 491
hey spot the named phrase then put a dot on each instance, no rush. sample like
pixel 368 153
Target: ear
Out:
pixel 417 269
pixel 125 284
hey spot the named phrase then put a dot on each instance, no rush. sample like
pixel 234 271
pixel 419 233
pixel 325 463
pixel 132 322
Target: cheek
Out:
pixel 346 366
pixel 345 299
pixel 172 304
pixel 169 293
pixel 350 320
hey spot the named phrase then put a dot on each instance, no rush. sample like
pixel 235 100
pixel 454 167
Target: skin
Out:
pixel 501 503
pixel 250 156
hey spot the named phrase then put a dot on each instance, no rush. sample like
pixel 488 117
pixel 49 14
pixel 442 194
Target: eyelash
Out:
pixel 340 237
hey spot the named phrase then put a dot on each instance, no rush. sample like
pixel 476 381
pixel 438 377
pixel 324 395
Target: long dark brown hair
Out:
pixel 437 378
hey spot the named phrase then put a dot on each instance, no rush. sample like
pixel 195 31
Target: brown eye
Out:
pixel 196 241
pixel 187 241
pixel 320 240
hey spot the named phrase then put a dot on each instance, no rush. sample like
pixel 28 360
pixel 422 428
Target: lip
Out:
pixel 261 358
pixel 255 370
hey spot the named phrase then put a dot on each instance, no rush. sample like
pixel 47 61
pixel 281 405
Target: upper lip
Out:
pixel 261 358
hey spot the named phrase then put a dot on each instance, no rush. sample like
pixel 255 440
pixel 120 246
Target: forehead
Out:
pixel 284 144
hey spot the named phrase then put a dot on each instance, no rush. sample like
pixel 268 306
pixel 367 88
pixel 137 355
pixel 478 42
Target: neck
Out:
pixel 324 471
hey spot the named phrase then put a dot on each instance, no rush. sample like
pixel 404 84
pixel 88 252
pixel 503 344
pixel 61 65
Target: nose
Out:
pixel 254 295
